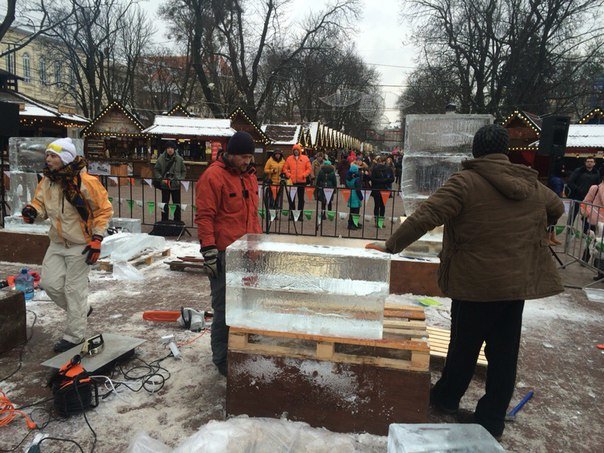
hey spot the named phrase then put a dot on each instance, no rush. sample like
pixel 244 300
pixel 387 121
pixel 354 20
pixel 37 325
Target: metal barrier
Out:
pixel 584 236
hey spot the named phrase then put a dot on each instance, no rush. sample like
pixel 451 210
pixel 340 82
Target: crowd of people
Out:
pixel 340 168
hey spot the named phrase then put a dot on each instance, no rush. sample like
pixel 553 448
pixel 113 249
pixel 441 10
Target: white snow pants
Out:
pixel 65 280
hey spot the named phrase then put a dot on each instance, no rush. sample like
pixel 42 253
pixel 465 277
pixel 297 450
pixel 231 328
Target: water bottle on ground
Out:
pixel 25 282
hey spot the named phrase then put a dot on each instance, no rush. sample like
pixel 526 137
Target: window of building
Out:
pixel 58 73
pixel 43 77
pixel 10 60
pixel 26 68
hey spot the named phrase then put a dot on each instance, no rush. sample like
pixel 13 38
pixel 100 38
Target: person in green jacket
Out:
pixel 169 170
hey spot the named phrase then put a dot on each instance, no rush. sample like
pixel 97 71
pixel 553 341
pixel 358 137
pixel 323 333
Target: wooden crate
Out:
pixel 342 384
pixel 145 259
pixel 439 344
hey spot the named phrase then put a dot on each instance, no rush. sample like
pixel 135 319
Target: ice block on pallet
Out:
pixel 313 285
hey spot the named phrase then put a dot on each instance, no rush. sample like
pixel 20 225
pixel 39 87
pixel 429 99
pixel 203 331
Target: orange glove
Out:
pixel 379 246
pixel 93 249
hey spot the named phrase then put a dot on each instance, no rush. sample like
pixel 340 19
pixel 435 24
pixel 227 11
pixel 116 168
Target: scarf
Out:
pixel 70 180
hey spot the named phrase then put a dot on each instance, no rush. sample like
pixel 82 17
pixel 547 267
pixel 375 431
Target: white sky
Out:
pixel 379 39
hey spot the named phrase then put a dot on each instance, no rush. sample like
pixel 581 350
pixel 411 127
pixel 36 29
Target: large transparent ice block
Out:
pixel 424 173
pixel 22 189
pixel 450 133
pixel 27 153
pixel 313 285
pixel 442 437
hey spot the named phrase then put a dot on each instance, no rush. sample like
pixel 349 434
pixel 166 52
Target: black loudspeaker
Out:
pixel 554 133
pixel 9 119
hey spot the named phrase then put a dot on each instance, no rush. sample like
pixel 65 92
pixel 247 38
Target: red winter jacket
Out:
pixel 224 213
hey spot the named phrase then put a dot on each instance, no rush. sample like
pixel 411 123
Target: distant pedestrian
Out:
pixel 168 171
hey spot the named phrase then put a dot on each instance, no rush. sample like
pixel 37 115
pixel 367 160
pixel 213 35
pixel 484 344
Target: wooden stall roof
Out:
pixel 116 121
pixel 530 119
pixel 594 116
pixel 241 121
pixel 179 126
pixel 30 108
pixel 282 134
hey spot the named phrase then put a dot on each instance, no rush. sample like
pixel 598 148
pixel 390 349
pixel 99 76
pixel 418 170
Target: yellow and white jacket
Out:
pixel 67 226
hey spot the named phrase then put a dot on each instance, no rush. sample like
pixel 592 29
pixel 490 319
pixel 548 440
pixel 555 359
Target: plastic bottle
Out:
pixel 25 282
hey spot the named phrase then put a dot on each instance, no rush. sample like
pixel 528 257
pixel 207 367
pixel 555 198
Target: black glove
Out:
pixel 93 249
pixel 210 260
pixel 29 214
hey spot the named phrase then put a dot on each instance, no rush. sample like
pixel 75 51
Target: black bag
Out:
pixel 156 183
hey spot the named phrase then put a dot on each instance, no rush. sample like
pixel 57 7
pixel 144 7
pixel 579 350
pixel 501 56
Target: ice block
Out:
pixel 442 133
pixel 27 153
pixel 15 224
pixel 435 146
pixel 313 285
pixel 126 225
pixel 443 437
pixel 22 189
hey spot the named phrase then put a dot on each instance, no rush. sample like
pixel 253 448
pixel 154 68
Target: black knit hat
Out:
pixel 490 139
pixel 241 143
pixel 170 144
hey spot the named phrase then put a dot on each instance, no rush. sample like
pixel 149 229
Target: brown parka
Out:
pixel 495 245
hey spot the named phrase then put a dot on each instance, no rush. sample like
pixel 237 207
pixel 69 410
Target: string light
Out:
pixel 594 112
pixel 239 111
pixel 112 106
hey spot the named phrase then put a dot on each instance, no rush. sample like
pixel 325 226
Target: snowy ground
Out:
pixel 558 360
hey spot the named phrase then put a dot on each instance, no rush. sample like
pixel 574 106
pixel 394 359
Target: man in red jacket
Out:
pixel 227 209
pixel 297 168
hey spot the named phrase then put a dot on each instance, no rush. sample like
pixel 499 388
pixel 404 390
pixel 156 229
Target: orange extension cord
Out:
pixel 8 412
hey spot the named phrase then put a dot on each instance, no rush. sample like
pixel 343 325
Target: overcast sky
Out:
pixel 381 38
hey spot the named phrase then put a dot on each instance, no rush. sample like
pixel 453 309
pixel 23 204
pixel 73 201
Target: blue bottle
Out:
pixel 25 282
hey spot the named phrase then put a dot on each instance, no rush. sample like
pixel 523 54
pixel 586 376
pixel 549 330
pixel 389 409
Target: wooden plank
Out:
pixel 325 351
pixel 410 345
pixel 146 259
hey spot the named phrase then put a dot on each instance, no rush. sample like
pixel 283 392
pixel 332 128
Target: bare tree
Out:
pixel 31 17
pixel 231 41
pixel 101 43
pixel 509 53
pixel 429 89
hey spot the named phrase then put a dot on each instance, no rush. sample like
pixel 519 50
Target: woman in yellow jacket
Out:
pixel 273 172
pixel 79 210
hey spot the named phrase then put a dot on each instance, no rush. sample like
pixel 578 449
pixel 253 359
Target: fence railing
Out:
pixel 584 236
pixel 296 210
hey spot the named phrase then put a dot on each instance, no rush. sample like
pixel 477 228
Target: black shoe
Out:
pixel 438 405
pixel 64 345
pixel 222 369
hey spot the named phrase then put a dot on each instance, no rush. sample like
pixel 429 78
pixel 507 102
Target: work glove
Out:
pixel 93 249
pixel 210 260
pixel 379 246
pixel 29 214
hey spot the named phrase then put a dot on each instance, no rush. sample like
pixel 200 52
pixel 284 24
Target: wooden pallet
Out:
pixel 439 344
pixel 404 348
pixel 145 259
pixel 186 262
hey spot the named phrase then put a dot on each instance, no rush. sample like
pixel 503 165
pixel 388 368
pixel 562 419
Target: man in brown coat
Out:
pixel 495 255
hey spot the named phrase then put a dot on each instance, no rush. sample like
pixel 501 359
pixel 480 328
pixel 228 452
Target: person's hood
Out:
pixel 327 168
pixel 514 181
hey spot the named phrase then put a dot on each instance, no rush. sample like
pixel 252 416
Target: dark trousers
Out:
pixel 299 196
pixel 498 324
pixel 219 337
pixel 165 198
pixel 379 208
